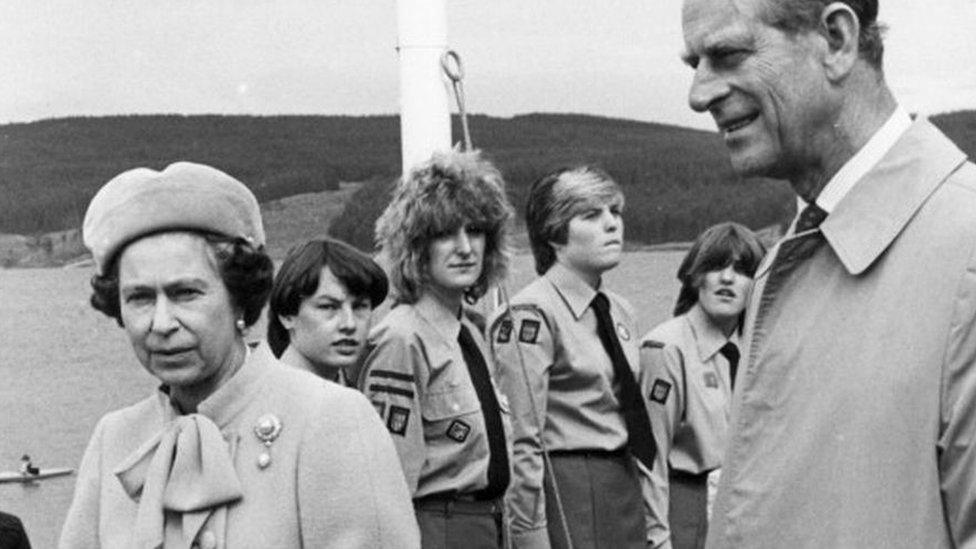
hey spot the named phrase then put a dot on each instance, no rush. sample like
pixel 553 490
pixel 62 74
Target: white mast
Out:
pixel 425 121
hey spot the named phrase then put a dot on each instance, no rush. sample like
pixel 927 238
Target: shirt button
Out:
pixel 208 540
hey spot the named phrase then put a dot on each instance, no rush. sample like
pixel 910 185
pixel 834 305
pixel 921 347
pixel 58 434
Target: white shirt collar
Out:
pixel 862 162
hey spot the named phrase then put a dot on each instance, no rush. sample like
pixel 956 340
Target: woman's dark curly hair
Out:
pixel 246 270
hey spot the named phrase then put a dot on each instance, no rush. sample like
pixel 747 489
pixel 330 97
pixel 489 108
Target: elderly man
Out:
pixel 854 420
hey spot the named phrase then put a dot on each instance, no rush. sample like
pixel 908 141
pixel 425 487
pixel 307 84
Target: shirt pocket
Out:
pixel 452 403
pixel 452 419
pixel 714 392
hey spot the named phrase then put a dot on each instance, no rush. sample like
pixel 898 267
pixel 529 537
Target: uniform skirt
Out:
pixel 688 509
pixel 601 500
pixel 449 523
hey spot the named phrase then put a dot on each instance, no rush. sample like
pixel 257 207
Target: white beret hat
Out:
pixel 184 196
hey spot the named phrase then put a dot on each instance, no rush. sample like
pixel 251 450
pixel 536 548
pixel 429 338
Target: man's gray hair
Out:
pixel 804 15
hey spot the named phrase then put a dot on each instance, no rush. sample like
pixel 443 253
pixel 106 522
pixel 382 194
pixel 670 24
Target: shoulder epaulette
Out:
pixel 504 314
pixel 502 326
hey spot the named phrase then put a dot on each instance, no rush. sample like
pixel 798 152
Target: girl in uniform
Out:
pixel 321 308
pixel 567 355
pixel 688 367
pixel 427 371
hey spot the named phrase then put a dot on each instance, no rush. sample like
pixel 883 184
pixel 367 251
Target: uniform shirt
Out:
pixel 687 385
pixel 572 385
pixel 853 413
pixel 416 378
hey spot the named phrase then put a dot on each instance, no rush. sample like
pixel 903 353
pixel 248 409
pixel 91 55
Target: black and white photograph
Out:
pixel 681 274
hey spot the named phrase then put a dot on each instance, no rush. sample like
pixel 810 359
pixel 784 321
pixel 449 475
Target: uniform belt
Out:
pixel 459 503
pixel 590 452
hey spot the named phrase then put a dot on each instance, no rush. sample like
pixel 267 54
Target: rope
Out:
pixel 454 70
pixel 539 423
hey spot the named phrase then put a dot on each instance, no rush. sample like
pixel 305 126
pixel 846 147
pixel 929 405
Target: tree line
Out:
pixel 677 181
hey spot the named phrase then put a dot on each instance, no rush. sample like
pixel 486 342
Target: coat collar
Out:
pixel 229 399
pixel 576 293
pixel 235 395
pixel 875 211
pixel 862 162
pixel 882 203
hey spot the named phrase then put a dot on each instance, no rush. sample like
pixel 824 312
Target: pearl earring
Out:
pixel 239 324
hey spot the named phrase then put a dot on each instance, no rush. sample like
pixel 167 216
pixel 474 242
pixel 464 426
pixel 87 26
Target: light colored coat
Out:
pixel 333 481
pixel 854 416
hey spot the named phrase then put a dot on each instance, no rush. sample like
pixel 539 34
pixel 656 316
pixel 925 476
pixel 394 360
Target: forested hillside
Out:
pixel 677 180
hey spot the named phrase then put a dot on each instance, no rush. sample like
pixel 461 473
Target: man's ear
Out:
pixel 841 30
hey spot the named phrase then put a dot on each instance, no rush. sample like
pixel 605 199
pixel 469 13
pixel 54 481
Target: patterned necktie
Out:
pixel 639 437
pixel 731 353
pixel 811 217
pixel 497 455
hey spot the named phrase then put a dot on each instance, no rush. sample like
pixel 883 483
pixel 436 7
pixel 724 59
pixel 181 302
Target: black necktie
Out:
pixel 811 216
pixel 639 437
pixel 497 455
pixel 731 353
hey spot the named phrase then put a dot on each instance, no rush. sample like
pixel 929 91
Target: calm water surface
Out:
pixel 63 365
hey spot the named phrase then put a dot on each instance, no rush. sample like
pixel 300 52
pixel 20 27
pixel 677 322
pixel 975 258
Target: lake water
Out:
pixel 63 365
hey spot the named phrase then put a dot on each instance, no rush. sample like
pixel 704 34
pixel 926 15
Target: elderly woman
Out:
pixel 567 356
pixel 235 449
pixel 688 367
pixel 321 308
pixel 427 371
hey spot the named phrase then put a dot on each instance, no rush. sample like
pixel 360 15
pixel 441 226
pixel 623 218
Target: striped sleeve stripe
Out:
pixel 399 376
pixel 377 388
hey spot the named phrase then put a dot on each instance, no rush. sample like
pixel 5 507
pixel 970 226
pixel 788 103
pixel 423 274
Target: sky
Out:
pixel 617 58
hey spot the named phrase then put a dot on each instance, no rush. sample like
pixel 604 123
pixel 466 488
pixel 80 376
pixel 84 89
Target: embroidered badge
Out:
pixel 660 391
pixel 458 431
pixel 711 380
pixel 397 421
pixel 504 331
pixel 623 332
pixel 529 331
pixel 380 408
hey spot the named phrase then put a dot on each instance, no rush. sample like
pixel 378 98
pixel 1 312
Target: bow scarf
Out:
pixel 181 477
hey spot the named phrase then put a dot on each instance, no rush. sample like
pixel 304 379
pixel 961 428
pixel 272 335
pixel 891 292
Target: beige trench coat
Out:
pixel 855 412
